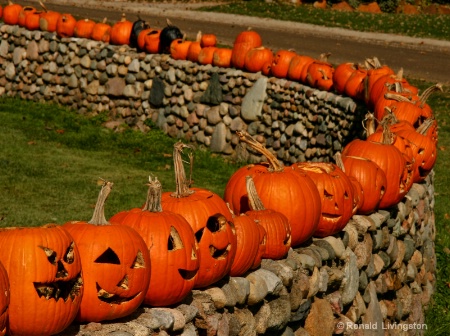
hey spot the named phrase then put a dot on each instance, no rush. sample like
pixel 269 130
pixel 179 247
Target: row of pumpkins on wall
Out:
pixel 191 238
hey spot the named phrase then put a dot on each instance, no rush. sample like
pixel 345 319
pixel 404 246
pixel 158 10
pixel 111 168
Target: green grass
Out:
pixel 52 158
pixel 422 25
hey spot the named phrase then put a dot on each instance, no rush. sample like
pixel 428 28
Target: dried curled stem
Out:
pixel 253 197
pixel 275 164
pixel 182 184
pixel 153 202
pixel 98 218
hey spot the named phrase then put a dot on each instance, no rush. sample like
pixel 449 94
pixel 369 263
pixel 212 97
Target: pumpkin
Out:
pixel 257 58
pixel 101 31
pixel 179 48
pixel 206 55
pixel 280 188
pixel 298 68
pixel 262 234
pixel 66 25
pixel 390 160
pixel 244 41
pixel 172 246
pixel 194 49
pixel 280 63
pixel 348 79
pixel 222 57
pixel 11 13
pixel 25 11
pixel 320 74
pixel 4 299
pixel 84 28
pixel 116 267
pixel 248 244
pixel 48 19
pixel 374 71
pixel 371 178
pixel 336 192
pixel 44 270
pixel 32 20
pixel 208 40
pixel 167 35
pixel 121 31
pixel 149 40
pixel 210 219
pixel 277 226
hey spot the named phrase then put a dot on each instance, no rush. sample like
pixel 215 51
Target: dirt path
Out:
pixel 420 58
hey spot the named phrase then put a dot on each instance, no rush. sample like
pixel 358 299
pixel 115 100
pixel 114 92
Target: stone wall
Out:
pixel 201 103
pixel 377 274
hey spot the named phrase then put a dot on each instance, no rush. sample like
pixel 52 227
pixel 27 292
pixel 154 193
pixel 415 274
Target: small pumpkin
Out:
pixel 11 13
pixel 206 55
pixel 222 57
pixel 116 268
pixel 172 246
pixel 320 74
pixel 32 20
pixel 66 25
pixel 280 63
pixel 121 31
pixel 194 48
pixel 101 31
pixel 179 48
pixel 48 19
pixel 348 79
pixel 46 285
pixel 84 28
pixel 208 40
pixel 26 10
pixel 257 58
pixel 298 68
pixel 149 40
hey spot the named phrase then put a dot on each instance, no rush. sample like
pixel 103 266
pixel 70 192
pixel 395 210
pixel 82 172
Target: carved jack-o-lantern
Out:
pixel 172 245
pixel 116 265
pixel 4 299
pixel 44 270
pixel 211 220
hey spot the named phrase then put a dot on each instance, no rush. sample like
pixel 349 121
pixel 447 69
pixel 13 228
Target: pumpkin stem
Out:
pixel 324 56
pixel 369 123
pixel 182 184
pixel 324 75
pixel 274 163
pixel 373 63
pixel 123 17
pixel 388 120
pixel 198 38
pixel 396 97
pixel 427 93
pixel 253 197
pixel 43 6
pixel 153 202
pixel 339 162
pixel 98 217
pixel 425 126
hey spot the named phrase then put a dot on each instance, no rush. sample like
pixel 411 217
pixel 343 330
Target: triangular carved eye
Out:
pixel 69 255
pixel 139 261
pixel 108 257
pixel 51 255
pixel 174 242
pixel 327 194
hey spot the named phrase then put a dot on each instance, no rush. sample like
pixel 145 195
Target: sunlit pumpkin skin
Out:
pixel 206 55
pixel 262 247
pixel 348 79
pixel 84 28
pixel 48 19
pixel 391 161
pixel 402 107
pixel 245 41
pixel 194 50
pixel 11 13
pixel 320 74
pixel 248 244
pixel 32 20
pixel 222 57
pixel 172 246
pixel 298 68
pixel 277 226
pixel 208 40
pixel 280 188
pixel 26 10
pixel 179 49
pixel 45 278
pixel 257 58
pixel 116 265
pixel 150 40
pixel 101 31
pixel 371 178
pixel 211 220
pixel 280 63
pixel 121 31
pixel 336 193
pixel 4 299
pixel 374 71
pixel 65 25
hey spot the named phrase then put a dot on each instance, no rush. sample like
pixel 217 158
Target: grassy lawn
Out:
pixel 423 25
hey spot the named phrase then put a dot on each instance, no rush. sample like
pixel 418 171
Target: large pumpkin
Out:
pixel 172 246
pixel 116 265
pixel 210 219
pixel 44 270
pixel 4 299
pixel 336 192
pixel 280 188
pixel 244 42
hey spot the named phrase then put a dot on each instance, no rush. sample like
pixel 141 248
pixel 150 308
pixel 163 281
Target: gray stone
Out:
pixel 115 86
pixel 254 99
pixel 373 313
pixel 350 282
pixel 157 92
pixel 218 138
pixel 213 94
pixel 320 320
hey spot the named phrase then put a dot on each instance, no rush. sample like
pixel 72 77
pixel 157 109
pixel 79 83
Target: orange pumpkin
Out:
pixel 257 58
pixel 280 63
pixel 4 299
pixel 121 31
pixel 208 40
pixel 149 40
pixel 222 57
pixel 48 19
pixel 11 13
pixel 320 74
pixel 26 10
pixel 101 31
pixel 84 28
pixel 244 42
pixel 179 49
pixel 206 55
pixel 194 48
pixel 298 68
pixel 32 20
pixel 65 25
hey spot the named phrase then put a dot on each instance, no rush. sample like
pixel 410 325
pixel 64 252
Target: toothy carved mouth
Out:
pixel 112 298
pixel 186 274
pixel 59 289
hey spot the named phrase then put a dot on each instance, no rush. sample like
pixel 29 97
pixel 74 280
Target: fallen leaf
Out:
pixel 32 142
pixel 167 155
pixel 446 250
pixel 167 167
pixel 447 216
pixel 60 131
pixel 442 148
